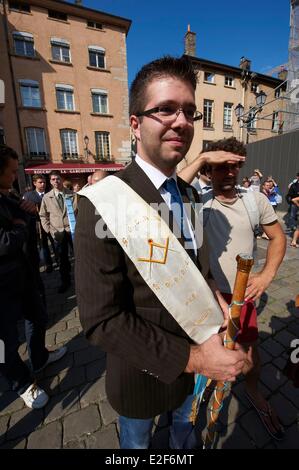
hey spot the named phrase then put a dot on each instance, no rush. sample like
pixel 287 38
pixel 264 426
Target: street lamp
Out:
pixel 245 119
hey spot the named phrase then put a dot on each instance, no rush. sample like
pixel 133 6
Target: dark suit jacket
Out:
pixel 147 350
pixel 34 197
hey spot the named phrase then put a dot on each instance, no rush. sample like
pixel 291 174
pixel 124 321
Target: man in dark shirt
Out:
pixel 20 294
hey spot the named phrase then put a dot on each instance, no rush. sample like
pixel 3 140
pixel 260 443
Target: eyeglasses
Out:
pixel 169 113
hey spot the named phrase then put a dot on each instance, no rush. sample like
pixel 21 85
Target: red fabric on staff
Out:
pixel 248 321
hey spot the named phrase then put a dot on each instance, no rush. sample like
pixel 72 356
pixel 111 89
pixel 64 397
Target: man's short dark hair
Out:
pixel 231 145
pixel 38 177
pixel 167 66
pixel 6 153
pixel 54 173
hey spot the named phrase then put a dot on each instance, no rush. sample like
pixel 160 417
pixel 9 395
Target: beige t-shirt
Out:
pixel 229 233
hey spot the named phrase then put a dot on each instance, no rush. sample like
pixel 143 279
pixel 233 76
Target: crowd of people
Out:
pixel 141 310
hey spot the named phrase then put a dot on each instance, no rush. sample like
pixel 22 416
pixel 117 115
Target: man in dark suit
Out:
pixel 151 360
pixel 36 196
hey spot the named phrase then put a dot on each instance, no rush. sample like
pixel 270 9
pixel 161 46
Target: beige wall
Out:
pixel 220 94
pixel 47 73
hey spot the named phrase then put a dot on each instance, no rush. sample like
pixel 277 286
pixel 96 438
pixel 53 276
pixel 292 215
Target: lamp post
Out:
pixel 246 119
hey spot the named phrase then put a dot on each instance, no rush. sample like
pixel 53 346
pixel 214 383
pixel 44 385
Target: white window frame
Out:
pixel 229 81
pixel 100 145
pixel 251 124
pixel 208 111
pixel 66 90
pixel 227 115
pixel 34 138
pixel 256 86
pixel 29 84
pixel 97 92
pixel 65 154
pixel 100 52
pixel 61 43
pixel 25 38
pixel 209 80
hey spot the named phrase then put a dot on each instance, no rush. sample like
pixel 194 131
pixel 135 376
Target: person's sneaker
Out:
pixel 35 397
pixel 53 357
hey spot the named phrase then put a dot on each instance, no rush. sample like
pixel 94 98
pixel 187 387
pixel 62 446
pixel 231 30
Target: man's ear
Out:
pixel 135 126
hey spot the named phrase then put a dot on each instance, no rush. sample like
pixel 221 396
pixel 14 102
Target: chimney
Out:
pixel 78 2
pixel 283 74
pixel 245 64
pixel 190 43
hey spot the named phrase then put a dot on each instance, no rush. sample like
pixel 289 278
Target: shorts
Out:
pixel 248 321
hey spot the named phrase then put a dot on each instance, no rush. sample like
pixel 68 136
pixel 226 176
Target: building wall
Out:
pixel 48 73
pixel 220 93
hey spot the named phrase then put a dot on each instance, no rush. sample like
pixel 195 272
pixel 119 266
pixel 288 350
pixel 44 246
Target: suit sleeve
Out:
pixel 44 216
pixel 103 293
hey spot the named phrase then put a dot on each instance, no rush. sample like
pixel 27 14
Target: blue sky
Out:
pixel 226 30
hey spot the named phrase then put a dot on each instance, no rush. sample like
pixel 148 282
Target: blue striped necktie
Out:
pixel 177 208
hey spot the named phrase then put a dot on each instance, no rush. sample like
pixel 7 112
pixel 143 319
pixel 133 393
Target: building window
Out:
pixel 229 81
pixel 57 15
pixel 94 25
pixel 254 88
pixel 21 7
pixel 205 145
pixel 102 145
pixel 30 93
pixel 251 125
pixel 208 113
pixel 227 116
pixel 209 77
pixel 275 121
pixel 65 97
pixel 2 136
pixel 99 101
pixel 23 44
pixel 96 57
pixel 69 143
pixel 36 143
pixel 60 50
pixel 277 92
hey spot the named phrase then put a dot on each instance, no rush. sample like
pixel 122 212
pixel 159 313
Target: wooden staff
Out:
pixel 245 263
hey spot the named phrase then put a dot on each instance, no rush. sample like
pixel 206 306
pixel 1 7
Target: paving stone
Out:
pixel 74 323
pixel 49 384
pixel 3 427
pixel 75 445
pixel 257 433
pixel 291 393
pixel 10 403
pixel 264 356
pixel 24 422
pixel 96 369
pixel 93 392
pixel 61 405
pixel 55 368
pixel 276 325
pixel 106 439
pixel 287 413
pixel 291 440
pixel 272 347
pixel 48 437
pixel 234 438
pixel 59 326
pixel 278 308
pixel 285 338
pixel 231 411
pixel 85 421
pixel 51 340
pixel 272 377
pixel 4 386
pixel 280 363
pixel 65 336
pixel 88 355
pixel 107 412
pixel 71 378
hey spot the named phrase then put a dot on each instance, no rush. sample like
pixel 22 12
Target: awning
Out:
pixel 72 167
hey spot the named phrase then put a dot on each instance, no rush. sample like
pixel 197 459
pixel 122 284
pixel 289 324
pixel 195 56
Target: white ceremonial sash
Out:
pixel 158 256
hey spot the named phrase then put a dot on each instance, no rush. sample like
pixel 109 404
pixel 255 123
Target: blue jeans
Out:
pixel 136 433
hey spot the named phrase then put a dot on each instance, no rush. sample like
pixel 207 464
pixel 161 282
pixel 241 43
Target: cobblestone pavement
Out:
pixel 78 414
